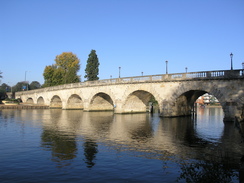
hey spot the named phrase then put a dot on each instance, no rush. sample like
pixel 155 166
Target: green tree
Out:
pixel 1 76
pixel 92 65
pixel 3 89
pixel 20 86
pixel 35 85
pixel 48 75
pixel 63 71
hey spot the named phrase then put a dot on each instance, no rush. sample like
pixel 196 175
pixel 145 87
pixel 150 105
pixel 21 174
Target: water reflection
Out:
pixel 203 149
pixel 90 151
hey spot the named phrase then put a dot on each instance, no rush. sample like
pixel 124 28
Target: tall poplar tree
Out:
pixel 92 65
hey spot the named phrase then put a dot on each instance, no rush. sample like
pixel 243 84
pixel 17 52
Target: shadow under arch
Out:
pixel 30 101
pixel 56 102
pixel 101 102
pixel 40 101
pixel 138 101
pixel 74 102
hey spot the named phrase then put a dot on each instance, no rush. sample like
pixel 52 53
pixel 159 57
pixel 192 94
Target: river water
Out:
pixel 52 145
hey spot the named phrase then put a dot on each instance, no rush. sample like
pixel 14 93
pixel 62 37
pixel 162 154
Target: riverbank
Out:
pixel 23 106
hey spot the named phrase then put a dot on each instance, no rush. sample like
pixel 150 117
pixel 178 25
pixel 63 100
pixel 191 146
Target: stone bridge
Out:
pixel 174 93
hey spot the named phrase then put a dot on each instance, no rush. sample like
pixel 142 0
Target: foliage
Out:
pixel 35 85
pixel 48 75
pixel 12 100
pixel 20 86
pixel 3 89
pixel 92 65
pixel 63 71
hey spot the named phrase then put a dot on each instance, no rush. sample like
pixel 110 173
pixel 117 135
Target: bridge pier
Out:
pixel 175 109
pixel 233 112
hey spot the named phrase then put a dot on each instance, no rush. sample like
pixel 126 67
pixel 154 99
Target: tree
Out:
pixel 35 85
pixel 63 71
pixel 1 76
pixel 3 89
pixel 92 65
pixel 49 75
pixel 20 86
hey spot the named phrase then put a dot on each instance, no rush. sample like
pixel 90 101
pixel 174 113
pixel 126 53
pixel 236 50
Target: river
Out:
pixel 54 145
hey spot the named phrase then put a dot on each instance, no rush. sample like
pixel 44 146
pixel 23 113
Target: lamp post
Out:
pixel 242 65
pixel 26 81
pixel 231 63
pixel 186 69
pixel 119 71
pixel 141 73
pixel 25 75
pixel 166 66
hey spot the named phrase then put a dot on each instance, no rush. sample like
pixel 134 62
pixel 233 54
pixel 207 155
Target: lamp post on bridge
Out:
pixel 242 65
pixel 186 69
pixel 231 63
pixel 141 73
pixel 119 71
pixel 166 66
pixel 26 81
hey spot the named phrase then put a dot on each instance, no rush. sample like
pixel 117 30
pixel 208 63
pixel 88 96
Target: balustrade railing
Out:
pixel 204 75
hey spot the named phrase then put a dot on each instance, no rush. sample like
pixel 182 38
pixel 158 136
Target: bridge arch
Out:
pixel 40 101
pixel 30 101
pixel 183 98
pixel 101 102
pixel 74 102
pixel 56 102
pixel 137 101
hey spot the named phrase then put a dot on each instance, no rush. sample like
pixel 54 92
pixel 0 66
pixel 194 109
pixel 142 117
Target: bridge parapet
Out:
pixel 203 75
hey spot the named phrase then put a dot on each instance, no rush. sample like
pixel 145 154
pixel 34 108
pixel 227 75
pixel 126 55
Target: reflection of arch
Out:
pixel 74 102
pixel 40 101
pixel 30 101
pixel 101 102
pixel 137 101
pixel 56 102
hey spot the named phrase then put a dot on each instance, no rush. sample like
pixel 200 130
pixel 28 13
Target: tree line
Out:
pixel 63 71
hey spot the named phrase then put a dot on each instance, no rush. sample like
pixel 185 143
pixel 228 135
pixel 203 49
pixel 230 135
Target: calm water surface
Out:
pixel 76 146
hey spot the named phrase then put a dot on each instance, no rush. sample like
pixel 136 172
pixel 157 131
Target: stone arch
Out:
pixel 40 101
pixel 74 102
pixel 56 102
pixel 137 101
pixel 101 102
pixel 182 101
pixel 30 101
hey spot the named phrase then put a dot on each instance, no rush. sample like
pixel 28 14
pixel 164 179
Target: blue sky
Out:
pixel 136 35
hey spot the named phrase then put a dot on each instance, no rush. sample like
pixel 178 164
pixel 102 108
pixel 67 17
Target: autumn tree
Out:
pixel 92 65
pixel 63 71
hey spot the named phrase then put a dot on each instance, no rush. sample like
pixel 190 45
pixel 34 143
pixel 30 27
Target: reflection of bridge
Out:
pixel 175 93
